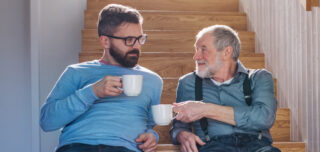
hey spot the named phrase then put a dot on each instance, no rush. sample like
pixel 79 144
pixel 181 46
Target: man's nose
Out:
pixel 197 55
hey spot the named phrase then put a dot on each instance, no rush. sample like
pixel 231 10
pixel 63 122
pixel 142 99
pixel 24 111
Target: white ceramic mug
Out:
pixel 162 114
pixel 132 84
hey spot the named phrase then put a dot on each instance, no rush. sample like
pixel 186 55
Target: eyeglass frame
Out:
pixel 125 39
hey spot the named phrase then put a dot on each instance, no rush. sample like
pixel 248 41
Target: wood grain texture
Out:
pixel 280 130
pixel 283 146
pixel 173 5
pixel 315 3
pixel 177 64
pixel 156 20
pixel 165 41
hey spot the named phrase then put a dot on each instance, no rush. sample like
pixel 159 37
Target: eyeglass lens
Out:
pixel 132 40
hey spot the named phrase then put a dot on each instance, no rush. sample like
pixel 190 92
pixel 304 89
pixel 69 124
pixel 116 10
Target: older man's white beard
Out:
pixel 209 71
pixel 205 73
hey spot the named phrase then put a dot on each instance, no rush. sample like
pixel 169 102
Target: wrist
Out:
pixel 208 108
pixel 95 90
pixel 179 136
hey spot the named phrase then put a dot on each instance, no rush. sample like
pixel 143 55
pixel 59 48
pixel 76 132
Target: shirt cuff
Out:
pixel 87 95
pixel 175 133
pixel 241 115
pixel 153 132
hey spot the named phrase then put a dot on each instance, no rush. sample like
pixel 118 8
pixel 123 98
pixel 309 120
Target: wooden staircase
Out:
pixel 171 26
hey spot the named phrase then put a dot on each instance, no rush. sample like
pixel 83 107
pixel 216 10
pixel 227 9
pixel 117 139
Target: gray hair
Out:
pixel 113 15
pixel 224 36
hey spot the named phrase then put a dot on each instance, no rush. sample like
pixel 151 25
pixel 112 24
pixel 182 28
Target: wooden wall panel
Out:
pixel 165 41
pixel 172 5
pixel 289 36
pixel 165 20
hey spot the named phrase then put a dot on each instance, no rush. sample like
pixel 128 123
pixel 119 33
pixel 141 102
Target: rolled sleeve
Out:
pixel 177 127
pixel 261 114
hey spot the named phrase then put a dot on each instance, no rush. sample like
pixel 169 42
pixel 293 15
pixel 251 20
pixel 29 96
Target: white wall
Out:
pixel 15 103
pixel 55 41
pixel 61 23
pixel 290 38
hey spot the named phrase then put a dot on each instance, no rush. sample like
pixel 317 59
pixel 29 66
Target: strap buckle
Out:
pixel 207 138
pixel 260 136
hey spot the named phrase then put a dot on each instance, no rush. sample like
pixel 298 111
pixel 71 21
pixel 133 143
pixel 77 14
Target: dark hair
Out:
pixel 113 15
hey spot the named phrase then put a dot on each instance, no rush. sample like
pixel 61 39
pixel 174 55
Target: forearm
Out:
pixel 220 113
pixel 57 113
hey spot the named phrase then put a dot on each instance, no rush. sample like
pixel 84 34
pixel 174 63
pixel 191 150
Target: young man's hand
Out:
pixel 108 86
pixel 149 142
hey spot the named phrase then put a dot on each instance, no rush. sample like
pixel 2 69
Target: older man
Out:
pixel 88 103
pixel 230 108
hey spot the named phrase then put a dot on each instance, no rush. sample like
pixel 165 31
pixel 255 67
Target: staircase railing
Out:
pixel 308 4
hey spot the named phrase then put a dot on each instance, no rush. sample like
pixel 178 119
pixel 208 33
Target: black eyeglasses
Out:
pixel 131 40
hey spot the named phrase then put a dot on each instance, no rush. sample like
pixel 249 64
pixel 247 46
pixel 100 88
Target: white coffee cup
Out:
pixel 132 84
pixel 162 114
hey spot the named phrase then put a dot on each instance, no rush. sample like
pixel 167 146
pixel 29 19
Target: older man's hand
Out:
pixel 189 141
pixel 149 142
pixel 189 111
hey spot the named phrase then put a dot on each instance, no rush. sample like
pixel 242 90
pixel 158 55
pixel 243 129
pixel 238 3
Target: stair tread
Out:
pixel 165 41
pixel 183 5
pixel 164 20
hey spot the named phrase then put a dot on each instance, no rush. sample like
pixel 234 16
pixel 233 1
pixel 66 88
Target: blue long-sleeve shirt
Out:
pixel 85 118
pixel 254 119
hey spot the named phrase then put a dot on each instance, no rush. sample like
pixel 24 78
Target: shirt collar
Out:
pixel 241 68
pixel 222 83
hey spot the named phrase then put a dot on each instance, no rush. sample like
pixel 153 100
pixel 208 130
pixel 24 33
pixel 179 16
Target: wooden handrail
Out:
pixel 315 2
pixel 308 4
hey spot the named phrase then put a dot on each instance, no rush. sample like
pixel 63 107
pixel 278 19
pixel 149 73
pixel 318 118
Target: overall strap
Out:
pixel 199 97
pixel 247 88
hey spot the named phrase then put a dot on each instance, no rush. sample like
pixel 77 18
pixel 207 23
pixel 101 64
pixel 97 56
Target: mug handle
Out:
pixel 121 82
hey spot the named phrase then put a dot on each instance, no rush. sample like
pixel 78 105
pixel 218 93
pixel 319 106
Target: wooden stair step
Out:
pixel 283 146
pixel 176 64
pixel 158 20
pixel 181 5
pixel 165 41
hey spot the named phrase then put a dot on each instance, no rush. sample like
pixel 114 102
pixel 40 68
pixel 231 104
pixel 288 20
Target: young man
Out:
pixel 224 121
pixel 88 103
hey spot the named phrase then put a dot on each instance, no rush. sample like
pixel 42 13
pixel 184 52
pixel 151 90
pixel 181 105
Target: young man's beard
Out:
pixel 125 60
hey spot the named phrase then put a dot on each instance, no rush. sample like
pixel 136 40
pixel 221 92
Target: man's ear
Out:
pixel 227 53
pixel 104 41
